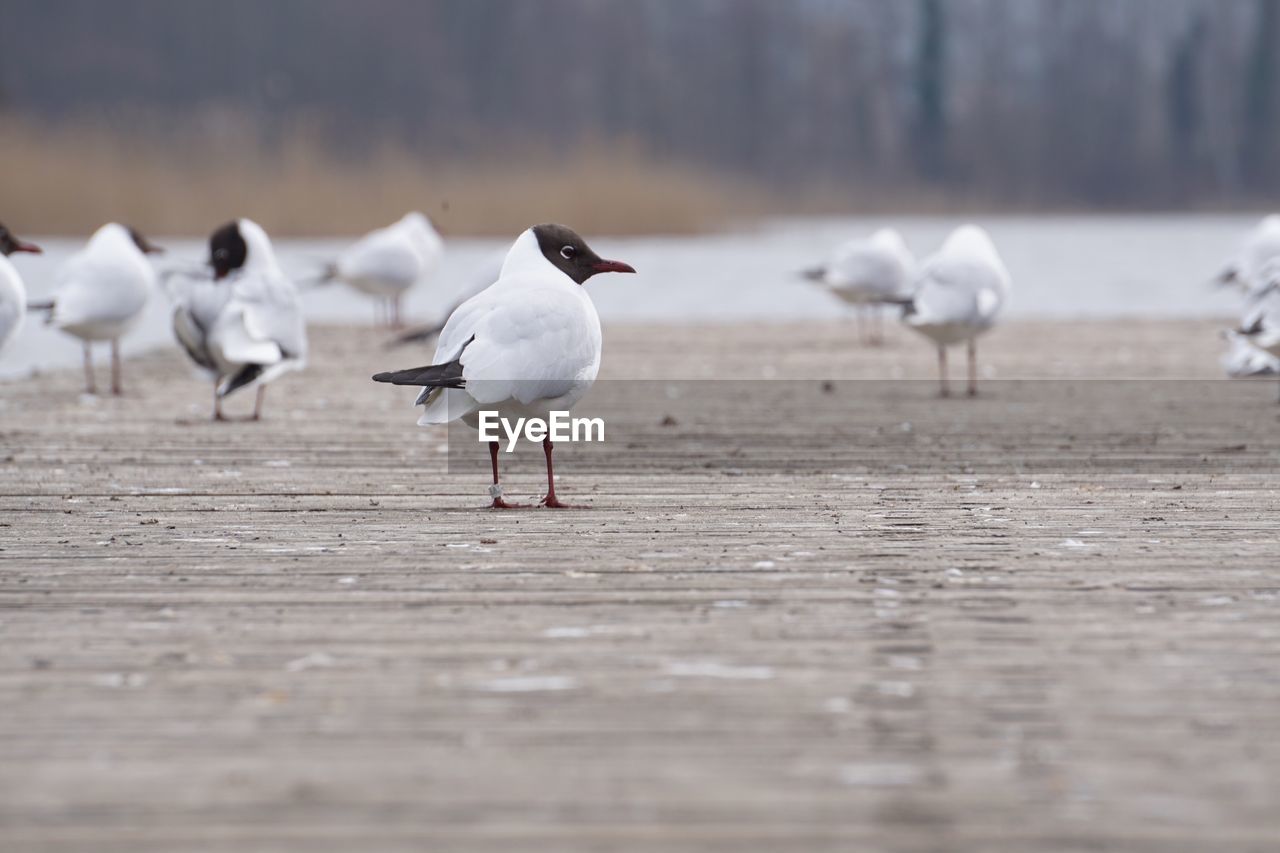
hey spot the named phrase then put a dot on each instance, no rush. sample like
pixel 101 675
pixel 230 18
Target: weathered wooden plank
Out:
pixel 1008 628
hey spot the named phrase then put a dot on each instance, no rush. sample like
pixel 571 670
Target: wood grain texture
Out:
pixel 305 634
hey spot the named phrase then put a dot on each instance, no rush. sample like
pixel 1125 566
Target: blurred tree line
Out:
pixel 1030 102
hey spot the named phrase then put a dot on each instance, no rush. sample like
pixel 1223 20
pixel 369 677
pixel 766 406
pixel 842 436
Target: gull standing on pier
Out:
pixel 526 346
pixel 387 263
pixel 245 327
pixel 959 294
pixel 13 294
pixel 868 274
pixel 102 292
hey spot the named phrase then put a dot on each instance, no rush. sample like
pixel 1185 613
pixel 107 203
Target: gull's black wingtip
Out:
pixel 1251 331
pixel 434 376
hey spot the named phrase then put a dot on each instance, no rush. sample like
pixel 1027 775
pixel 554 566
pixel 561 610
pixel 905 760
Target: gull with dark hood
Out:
pixel 245 327
pixel 526 346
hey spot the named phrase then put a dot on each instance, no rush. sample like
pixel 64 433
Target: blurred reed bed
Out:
pixel 70 178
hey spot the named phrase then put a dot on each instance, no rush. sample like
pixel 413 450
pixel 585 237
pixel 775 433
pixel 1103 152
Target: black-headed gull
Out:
pixel 959 293
pixel 245 327
pixel 869 273
pixel 13 294
pixel 102 292
pixel 526 346
pixel 387 263
pixel 1259 248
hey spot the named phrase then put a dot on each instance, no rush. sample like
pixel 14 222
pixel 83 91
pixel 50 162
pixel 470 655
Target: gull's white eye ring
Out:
pixel 568 252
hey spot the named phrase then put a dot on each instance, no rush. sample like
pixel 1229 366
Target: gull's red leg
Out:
pixel 973 367
pixel 496 489
pixel 945 389
pixel 550 501
pixel 90 384
pixel 117 388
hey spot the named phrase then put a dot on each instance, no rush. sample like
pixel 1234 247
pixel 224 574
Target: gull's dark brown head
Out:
pixel 227 250
pixel 144 245
pixel 9 244
pixel 571 255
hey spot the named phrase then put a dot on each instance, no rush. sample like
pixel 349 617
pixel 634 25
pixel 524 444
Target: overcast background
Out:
pixel 859 105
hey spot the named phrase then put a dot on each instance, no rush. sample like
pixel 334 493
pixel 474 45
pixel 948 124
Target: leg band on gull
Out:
pixel 495 491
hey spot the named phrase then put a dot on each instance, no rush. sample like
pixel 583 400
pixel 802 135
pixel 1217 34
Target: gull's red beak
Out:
pixel 613 266
pixel 29 248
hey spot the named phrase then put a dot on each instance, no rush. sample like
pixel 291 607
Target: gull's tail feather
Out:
pixel 1257 328
pixel 36 307
pixel 433 376
pixel 246 375
pixel 260 374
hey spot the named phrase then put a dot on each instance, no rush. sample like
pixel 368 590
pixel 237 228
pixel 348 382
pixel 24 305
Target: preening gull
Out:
pixel 245 327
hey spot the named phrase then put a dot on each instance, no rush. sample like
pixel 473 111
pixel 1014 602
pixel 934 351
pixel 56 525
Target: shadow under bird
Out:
pixel 102 293
pixel 869 274
pixel 245 326
pixel 386 264
pixel 13 293
pixel 959 294
pixel 524 347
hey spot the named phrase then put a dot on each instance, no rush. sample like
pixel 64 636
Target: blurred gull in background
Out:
pixel 387 263
pixel 869 274
pixel 102 292
pixel 960 292
pixel 1261 246
pixel 246 327
pixel 13 293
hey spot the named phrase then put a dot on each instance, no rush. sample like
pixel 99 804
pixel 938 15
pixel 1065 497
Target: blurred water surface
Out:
pixel 1063 267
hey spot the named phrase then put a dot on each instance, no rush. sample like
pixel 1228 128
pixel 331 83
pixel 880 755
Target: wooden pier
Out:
pixel 304 634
